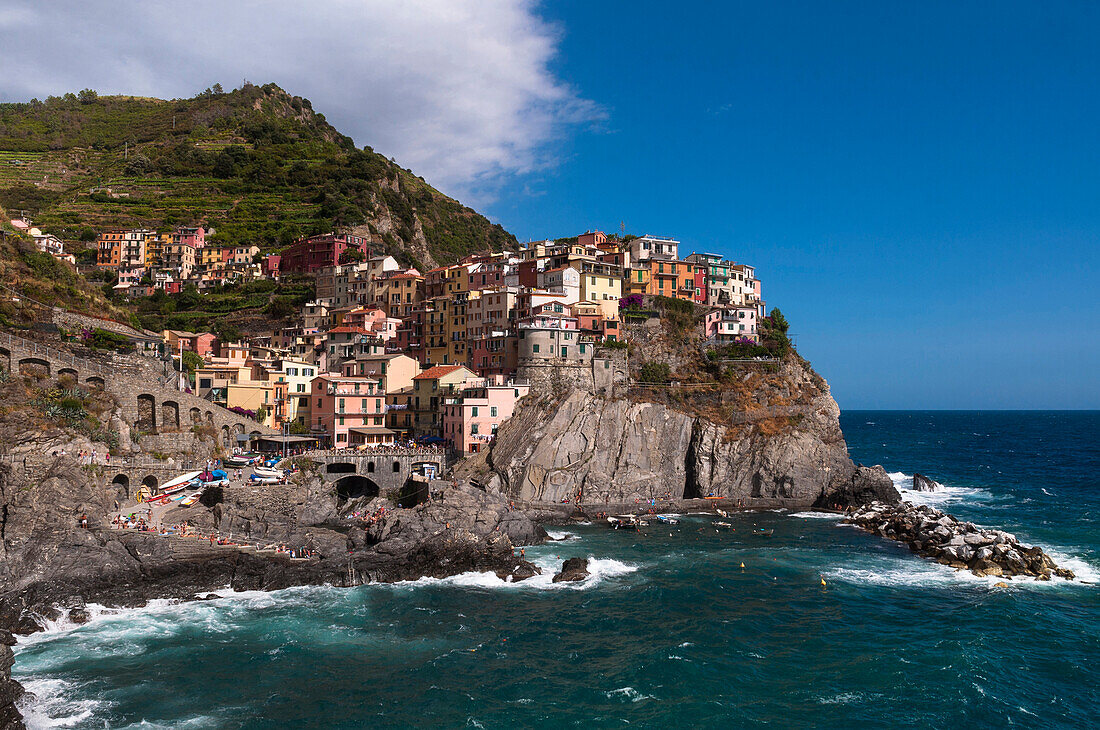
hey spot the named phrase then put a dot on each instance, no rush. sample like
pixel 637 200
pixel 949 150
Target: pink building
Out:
pixel 193 237
pixel 349 411
pixel 733 323
pixel 495 353
pixel 470 419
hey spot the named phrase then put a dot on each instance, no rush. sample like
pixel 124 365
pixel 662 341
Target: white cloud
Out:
pixel 460 91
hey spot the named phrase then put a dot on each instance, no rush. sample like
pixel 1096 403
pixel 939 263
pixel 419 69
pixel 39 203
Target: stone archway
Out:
pixel 146 413
pixel 122 482
pixel 5 359
pixel 196 417
pixel 356 487
pixel 170 415
pixel 34 366
pixel 95 381
pixel 70 372
pixel 225 437
pixel 151 482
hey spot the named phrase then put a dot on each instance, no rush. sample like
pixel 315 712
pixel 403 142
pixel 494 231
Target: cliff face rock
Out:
pixel 48 558
pixel 622 450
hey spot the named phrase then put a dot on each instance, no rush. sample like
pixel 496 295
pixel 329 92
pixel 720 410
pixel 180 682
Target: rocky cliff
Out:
pixel 769 439
pixel 49 564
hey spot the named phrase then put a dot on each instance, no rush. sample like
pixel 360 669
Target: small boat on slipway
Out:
pixel 179 483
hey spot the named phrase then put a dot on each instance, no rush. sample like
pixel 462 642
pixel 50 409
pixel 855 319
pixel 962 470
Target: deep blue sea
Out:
pixel 686 625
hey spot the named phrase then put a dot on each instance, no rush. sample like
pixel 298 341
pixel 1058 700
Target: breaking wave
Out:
pixel 946 494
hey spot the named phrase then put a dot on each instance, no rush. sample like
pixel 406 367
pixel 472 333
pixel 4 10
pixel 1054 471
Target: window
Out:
pixel 363 406
pixel 474 412
pixel 341 405
pixel 396 467
pixel 473 429
pixel 534 348
pixel 564 351
pixel 370 467
pixel 582 348
pixel 492 411
pixel 341 420
pixel 318 402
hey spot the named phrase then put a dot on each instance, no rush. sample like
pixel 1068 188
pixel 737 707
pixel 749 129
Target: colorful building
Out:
pixel 316 252
pixel 472 416
pixel 349 411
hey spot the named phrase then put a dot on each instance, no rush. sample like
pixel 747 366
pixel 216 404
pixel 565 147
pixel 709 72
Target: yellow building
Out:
pixel 210 258
pixel 154 249
pixel 603 284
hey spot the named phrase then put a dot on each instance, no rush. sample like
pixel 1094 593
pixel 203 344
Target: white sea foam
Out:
pixel 1085 571
pixel 914 571
pixel 628 693
pixel 49 704
pixel 561 535
pixel 598 568
pixel 946 494
pixel 811 515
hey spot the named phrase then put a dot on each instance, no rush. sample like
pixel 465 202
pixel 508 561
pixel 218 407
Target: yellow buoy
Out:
pixel 822 582
pixel 742 566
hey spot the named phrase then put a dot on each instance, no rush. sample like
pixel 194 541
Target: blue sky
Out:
pixel 918 185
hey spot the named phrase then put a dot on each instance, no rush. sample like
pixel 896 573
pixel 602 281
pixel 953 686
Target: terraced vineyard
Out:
pixel 257 164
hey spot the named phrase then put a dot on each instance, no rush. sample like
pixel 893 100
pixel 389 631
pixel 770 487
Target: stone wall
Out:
pixel 607 371
pixel 74 322
pixel 378 467
pixel 137 382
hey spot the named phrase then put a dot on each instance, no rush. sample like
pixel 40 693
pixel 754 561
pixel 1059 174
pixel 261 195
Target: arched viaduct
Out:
pixel 146 402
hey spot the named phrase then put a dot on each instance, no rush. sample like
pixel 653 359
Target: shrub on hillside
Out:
pixel 654 372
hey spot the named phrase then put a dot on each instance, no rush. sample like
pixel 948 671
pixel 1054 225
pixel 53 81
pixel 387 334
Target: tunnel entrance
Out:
pixel 356 487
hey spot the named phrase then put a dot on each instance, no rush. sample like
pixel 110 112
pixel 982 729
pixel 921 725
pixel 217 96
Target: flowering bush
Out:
pixel 631 301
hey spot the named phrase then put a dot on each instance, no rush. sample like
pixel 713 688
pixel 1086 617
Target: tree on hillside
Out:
pixel 87 96
pixel 351 255
pixel 778 321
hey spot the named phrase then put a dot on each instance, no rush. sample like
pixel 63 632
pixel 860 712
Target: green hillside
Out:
pixel 257 163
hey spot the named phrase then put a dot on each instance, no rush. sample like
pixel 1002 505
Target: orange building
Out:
pixel 674 279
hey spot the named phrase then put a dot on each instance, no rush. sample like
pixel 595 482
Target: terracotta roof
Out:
pixel 437 371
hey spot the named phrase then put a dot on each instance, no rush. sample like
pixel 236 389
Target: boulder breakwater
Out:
pixel 952 542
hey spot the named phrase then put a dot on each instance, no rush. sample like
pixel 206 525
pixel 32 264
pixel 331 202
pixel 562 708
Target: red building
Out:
pixel 271 264
pixel 316 252
pixel 700 284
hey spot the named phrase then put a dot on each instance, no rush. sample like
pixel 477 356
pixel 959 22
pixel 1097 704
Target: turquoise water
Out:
pixel 670 629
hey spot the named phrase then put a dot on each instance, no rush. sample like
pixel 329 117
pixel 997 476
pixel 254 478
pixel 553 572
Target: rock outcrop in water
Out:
pixel 572 570
pixel 921 483
pixel 733 442
pixel 962 545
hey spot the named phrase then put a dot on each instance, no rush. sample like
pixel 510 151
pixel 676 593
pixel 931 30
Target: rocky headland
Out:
pixel 962 545
pixel 757 440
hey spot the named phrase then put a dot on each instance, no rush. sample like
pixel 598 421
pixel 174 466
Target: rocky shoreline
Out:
pixel 934 534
